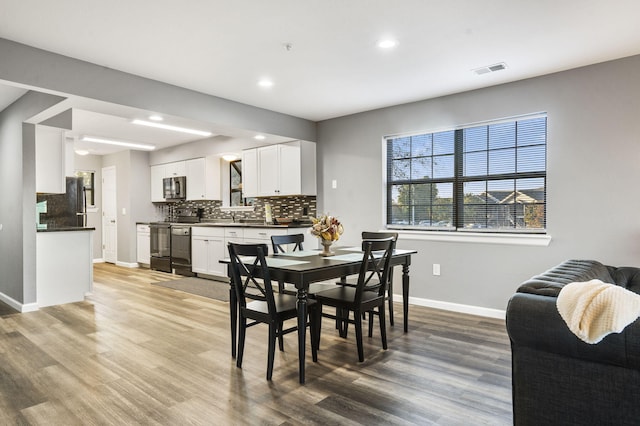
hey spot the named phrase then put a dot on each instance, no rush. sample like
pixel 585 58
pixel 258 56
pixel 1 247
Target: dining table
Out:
pixel 301 268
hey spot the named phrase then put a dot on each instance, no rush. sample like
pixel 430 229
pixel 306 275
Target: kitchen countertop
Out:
pixel 236 224
pixel 66 229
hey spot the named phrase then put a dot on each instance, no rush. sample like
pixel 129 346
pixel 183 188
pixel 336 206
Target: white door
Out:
pixel 109 215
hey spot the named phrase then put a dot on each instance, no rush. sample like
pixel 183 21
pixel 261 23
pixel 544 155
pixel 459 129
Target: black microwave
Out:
pixel 175 188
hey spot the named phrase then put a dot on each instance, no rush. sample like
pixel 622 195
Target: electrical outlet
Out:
pixel 436 269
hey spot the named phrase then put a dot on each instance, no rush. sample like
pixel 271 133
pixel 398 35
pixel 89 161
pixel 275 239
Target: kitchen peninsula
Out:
pixel 64 265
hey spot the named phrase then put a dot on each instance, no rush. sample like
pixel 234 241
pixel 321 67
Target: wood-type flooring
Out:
pixel 135 353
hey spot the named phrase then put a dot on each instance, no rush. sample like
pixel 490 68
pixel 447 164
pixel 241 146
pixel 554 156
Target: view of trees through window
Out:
pixel 490 177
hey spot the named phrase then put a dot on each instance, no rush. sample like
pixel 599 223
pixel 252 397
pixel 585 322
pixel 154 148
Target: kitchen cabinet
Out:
pixel 250 173
pixel 143 246
pixel 209 244
pixel 50 160
pixel 283 169
pixel 177 168
pixel 203 178
pixel 207 249
pixel 157 191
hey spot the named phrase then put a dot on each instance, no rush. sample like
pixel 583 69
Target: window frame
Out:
pixel 459 179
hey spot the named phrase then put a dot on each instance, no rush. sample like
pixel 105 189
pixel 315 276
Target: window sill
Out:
pixel 538 240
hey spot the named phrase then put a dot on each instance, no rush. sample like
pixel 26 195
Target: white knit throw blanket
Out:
pixel 594 309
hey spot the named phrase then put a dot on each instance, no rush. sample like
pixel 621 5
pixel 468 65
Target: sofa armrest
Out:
pixel 533 321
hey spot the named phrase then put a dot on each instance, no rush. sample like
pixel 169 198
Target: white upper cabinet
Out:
pixel 269 170
pixel 284 169
pixel 203 178
pixel 178 168
pixel 50 160
pixel 250 173
pixel 195 174
pixel 157 174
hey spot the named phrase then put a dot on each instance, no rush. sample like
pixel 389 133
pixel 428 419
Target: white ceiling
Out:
pixel 333 68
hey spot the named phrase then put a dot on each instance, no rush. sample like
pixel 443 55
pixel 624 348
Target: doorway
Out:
pixel 109 215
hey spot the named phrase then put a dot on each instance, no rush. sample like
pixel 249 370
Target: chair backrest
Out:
pixel 250 274
pixel 374 271
pixel 278 241
pixel 369 235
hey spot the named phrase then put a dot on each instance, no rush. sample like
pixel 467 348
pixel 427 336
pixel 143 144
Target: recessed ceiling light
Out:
pixel 82 152
pixel 490 68
pixel 265 83
pixel 260 137
pixel 387 44
pixel 173 128
pixel 230 157
pixel 118 143
pixel 156 117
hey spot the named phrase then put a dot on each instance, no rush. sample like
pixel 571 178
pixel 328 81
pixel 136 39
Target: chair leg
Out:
pixel 241 337
pixel 357 316
pixel 280 337
pixel 383 326
pixel 272 349
pixel 370 323
pixel 390 296
pixel 319 325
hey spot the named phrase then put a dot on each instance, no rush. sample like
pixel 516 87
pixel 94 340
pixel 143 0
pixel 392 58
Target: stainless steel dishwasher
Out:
pixel 181 250
pixel 160 246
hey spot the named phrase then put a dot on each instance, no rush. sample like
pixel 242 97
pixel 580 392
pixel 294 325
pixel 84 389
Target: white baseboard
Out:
pixel 20 307
pixel 127 264
pixel 454 307
pixel 99 260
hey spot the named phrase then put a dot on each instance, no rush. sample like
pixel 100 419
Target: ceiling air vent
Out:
pixel 490 68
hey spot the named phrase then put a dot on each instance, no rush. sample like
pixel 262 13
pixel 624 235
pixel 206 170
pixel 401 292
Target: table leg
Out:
pixel 302 330
pixel 405 295
pixel 233 309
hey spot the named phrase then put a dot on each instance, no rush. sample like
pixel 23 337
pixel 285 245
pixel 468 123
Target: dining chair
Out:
pixel 292 242
pixel 369 235
pixel 366 296
pixel 258 303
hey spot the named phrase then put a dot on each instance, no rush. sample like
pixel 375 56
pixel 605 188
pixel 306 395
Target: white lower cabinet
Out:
pixel 209 244
pixel 207 250
pixel 143 240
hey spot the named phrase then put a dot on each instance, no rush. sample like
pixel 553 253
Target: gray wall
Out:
pixel 133 195
pixel 17 210
pixel 592 170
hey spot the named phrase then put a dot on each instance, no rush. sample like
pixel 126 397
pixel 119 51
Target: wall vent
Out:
pixel 490 68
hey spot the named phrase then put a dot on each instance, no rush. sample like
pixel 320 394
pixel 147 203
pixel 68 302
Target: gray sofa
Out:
pixel 557 378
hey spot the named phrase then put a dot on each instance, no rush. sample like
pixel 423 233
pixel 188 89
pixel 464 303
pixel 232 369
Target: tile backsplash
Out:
pixel 297 207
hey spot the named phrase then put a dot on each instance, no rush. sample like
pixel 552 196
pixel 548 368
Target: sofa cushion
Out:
pixel 551 282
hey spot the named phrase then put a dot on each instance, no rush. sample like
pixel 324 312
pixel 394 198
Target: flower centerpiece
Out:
pixel 328 229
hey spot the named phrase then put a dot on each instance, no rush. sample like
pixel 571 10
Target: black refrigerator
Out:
pixel 65 210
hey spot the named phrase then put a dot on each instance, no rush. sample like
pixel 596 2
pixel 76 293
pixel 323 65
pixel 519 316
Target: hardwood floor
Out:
pixel 134 353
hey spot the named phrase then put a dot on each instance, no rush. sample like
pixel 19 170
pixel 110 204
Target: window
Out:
pixel 482 178
pixel 235 185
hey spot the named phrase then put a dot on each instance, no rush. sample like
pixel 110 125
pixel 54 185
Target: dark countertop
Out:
pixel 222 224
pixel 67 229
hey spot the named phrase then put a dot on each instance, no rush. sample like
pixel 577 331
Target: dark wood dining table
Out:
pixel 306 267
